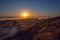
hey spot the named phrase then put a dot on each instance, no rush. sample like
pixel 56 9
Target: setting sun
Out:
pixel 25 15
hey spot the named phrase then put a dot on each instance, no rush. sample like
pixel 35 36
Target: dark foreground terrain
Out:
pixel 30 29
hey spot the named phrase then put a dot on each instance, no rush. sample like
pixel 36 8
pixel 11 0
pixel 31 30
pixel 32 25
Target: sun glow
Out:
pixel 25 15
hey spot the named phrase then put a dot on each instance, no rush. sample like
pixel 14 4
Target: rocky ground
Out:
pixel 30 29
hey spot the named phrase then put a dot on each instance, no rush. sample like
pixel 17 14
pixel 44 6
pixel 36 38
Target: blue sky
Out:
pixel 36 7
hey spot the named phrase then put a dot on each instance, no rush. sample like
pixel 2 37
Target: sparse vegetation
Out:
pixel 49 31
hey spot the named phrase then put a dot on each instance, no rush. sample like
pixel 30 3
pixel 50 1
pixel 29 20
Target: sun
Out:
pixel 25 15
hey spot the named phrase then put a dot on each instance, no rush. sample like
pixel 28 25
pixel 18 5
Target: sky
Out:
pixel 34 7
